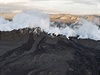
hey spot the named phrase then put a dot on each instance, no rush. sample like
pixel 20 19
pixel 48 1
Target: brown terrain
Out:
pixel 64 18
pixel 67 18
pixel 8 16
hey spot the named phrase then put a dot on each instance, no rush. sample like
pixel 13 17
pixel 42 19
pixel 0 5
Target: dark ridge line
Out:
pixel 25 47
pixel 39 48
pixel 79 46
pixel 80 51
pixel 83 52
pixel 35 51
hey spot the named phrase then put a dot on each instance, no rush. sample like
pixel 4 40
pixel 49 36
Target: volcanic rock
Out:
pixel 24 52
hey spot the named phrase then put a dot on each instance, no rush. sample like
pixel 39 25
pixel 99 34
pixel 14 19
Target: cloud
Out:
pixel 15 0
pixel 89 2
pixel 61 6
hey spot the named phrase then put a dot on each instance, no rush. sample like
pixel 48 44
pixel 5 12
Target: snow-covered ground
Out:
pixel 32 19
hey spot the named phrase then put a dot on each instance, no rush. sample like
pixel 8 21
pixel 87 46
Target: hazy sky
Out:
pixel 56 6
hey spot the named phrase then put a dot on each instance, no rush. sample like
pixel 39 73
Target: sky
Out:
pixel 52 6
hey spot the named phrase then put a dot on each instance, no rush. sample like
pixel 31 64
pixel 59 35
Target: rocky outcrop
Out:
pixel 69 19
pixel 23 52
pixel 65 18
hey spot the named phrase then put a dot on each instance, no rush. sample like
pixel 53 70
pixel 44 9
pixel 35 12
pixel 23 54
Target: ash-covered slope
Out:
pixel 24 52
pixel 32 45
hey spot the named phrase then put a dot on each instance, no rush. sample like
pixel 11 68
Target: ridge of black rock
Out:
pixel 30 53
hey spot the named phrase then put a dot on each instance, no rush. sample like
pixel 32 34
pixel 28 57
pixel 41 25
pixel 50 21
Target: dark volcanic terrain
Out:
pixel 24 52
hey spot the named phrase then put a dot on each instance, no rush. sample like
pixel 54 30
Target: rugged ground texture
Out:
pixel 24 53
pixel 69 19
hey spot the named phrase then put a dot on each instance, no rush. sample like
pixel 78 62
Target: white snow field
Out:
pixel 32 19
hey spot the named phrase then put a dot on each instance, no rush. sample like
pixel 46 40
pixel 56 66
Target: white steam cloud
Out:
pixel 32 19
